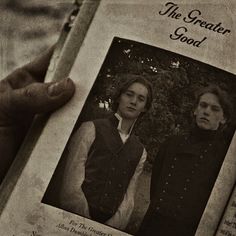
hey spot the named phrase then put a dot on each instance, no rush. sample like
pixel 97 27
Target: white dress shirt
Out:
pixel 72 196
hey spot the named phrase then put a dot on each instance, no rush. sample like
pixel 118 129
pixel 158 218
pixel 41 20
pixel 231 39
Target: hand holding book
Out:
pixel 22 95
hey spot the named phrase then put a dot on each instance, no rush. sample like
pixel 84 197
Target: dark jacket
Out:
pixel 183 176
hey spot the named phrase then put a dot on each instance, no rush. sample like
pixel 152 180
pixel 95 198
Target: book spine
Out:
pixel 65 52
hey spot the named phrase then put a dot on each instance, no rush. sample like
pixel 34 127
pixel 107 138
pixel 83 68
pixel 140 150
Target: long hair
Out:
pixel 131 79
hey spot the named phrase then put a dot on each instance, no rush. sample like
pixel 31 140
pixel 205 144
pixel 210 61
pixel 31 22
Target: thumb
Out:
pixel 41 97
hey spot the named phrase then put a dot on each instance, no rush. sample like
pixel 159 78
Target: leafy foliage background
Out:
pixel 175 80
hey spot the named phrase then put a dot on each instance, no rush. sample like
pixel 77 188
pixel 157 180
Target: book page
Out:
pixel 228 222
pixel 179 47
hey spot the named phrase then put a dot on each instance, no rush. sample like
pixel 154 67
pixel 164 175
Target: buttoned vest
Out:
pixel 110 166
pixel 185 174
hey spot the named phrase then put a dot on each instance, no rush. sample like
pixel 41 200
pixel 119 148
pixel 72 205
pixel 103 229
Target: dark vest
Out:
pixel 110 166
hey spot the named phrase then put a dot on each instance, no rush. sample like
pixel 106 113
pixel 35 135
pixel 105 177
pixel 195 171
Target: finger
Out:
pixel 38 67
pixel 40 97
pixel 17 79
pixel 34 71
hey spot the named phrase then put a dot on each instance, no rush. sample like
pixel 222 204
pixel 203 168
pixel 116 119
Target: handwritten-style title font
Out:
pixel 195 18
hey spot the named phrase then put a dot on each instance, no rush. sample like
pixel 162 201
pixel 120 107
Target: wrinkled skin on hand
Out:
pixel 22 95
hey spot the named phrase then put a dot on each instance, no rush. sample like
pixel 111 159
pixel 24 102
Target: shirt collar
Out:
pixel 120 119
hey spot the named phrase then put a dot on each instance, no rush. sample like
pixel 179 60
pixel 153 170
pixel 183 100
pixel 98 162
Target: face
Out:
pixel 209 113
pixel 133 101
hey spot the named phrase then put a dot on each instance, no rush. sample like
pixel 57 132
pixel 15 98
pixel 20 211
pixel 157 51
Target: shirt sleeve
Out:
pixel 122 216
pixel 72 197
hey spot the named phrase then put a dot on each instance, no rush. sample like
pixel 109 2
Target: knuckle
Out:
pixel 28 92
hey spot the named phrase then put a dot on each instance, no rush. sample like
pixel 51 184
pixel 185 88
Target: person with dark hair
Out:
pixel 223 100
pixel 186 168
pixel 129 80
pixel 105 159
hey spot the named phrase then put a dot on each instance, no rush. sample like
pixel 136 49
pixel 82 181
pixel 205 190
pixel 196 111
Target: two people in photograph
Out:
pixel 186 168
pixel 99 182
pixel 105 159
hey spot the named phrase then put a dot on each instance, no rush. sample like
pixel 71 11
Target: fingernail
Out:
pixel 57 88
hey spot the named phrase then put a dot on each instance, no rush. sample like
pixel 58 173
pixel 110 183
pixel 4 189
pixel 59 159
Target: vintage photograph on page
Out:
pixel 149 143
pixel 153 143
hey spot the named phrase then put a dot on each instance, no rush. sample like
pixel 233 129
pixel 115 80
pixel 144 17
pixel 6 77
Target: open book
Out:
pixel 179 47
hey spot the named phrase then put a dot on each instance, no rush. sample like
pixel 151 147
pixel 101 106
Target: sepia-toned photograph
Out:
pixel 117 118
pixel 149 143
